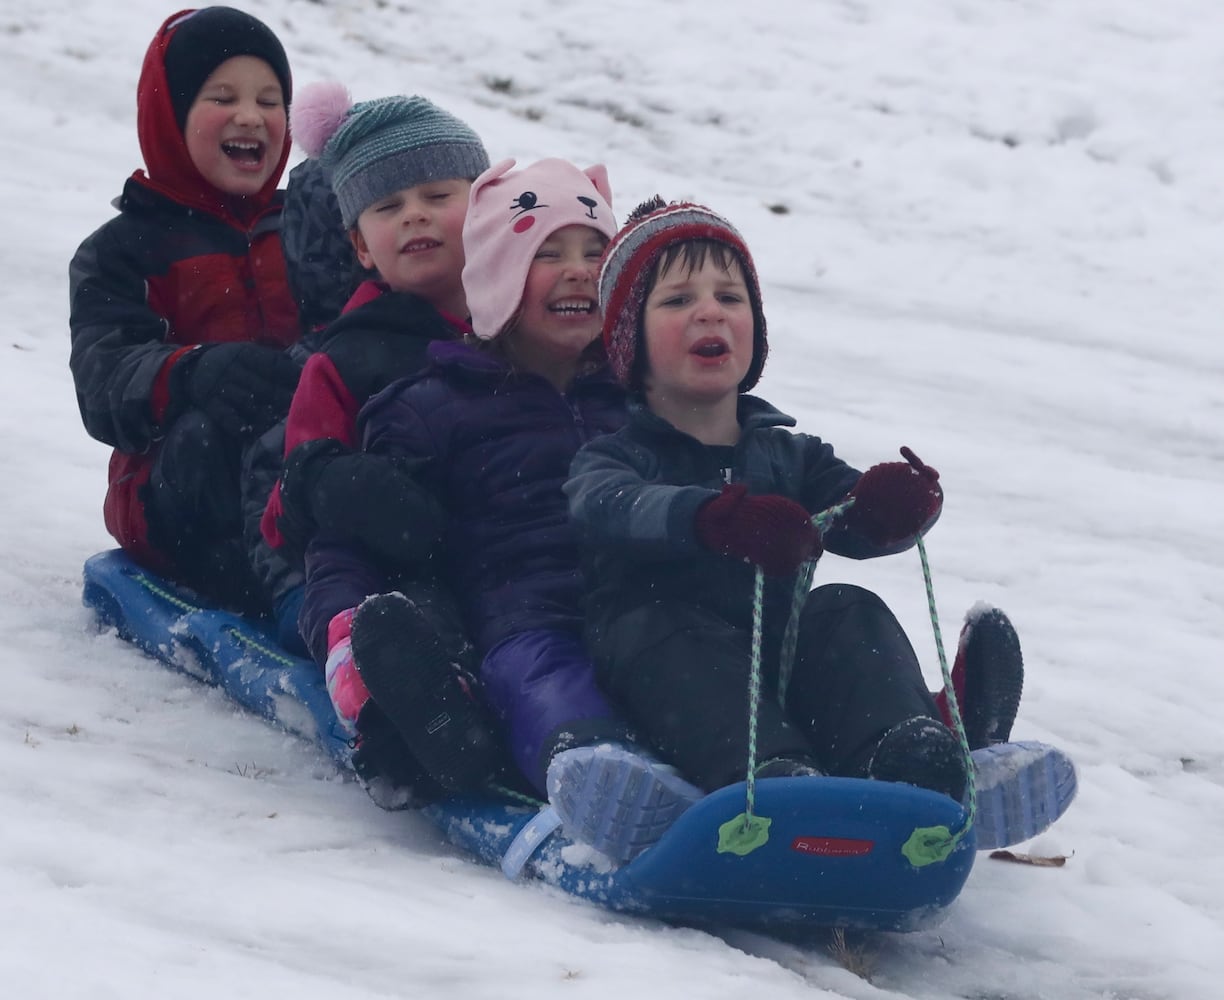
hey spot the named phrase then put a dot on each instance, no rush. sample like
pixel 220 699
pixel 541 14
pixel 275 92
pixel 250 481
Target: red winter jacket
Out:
pixel 182 264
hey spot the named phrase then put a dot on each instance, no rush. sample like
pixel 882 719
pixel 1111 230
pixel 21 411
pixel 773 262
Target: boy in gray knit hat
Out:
pixel 388 158
pixel 401 169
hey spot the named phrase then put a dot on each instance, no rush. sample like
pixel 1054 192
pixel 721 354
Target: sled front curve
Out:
pixel 833 858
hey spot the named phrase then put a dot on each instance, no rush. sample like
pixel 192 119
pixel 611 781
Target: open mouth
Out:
pixel 710 347
pixel 247 152
pixel 573 307
pixel 419 246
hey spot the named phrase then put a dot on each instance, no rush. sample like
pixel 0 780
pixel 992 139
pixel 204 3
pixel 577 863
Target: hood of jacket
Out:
pixel 164 148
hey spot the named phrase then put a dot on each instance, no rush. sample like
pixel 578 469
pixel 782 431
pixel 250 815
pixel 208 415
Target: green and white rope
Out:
pixel 747 832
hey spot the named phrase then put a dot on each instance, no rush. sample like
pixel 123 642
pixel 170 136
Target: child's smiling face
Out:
pixel 560 306
pixel 698 325
pixel 413 238
pixel 235 129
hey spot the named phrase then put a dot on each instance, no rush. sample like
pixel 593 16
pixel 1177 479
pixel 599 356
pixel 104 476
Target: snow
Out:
pixel 992 232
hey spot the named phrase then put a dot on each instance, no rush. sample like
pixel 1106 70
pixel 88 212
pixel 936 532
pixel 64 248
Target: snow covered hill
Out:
pixel 992 232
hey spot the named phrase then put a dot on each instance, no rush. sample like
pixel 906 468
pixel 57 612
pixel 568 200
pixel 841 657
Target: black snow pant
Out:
pixel 681 675
pixel 193 506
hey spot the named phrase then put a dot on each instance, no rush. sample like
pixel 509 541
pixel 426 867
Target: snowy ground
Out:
pixel 990 231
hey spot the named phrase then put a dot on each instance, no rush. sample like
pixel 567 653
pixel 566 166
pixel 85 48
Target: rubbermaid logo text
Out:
pixel 832 846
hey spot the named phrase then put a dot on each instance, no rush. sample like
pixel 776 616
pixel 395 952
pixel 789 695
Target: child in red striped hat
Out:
pixel 705 485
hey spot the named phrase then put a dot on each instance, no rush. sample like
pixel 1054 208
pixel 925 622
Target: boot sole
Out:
pixel 993 688
pixel 417 688
pixel 615 800
pixel 1022 788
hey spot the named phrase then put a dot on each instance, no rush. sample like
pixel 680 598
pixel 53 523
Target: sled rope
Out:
pixel 166 595
pixel 745 833
pixel 803 583
pixel 187 607
pixel 930 844
pixel 514 795
pixel 269 651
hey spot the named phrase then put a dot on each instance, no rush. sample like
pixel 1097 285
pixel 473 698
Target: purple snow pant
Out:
pixel 541 683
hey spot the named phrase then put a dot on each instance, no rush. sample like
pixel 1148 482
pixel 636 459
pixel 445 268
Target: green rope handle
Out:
pixel 746 832
pixel 803 584
pixel 927 845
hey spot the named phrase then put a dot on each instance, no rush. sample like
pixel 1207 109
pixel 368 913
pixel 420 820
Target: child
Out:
pixel 400 169
pixel 492 428
pixel 180 307
pixel 702 486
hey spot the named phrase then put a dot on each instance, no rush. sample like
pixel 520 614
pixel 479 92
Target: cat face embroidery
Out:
pixel 529 202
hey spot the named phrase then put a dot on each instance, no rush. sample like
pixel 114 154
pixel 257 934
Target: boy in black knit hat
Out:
pixel 707 484
pixel 180 307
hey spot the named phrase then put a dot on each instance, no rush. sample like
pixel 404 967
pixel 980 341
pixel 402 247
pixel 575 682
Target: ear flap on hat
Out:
pixel 599 177
pixel 498 169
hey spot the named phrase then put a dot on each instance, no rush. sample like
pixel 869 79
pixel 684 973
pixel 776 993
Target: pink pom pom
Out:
pixel 317 112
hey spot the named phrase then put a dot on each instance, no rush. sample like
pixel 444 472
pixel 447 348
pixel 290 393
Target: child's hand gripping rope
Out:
pixel 771 531
pixel 895 501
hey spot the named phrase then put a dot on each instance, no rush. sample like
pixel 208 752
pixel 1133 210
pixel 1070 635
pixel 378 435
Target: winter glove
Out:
pixel 245 388
pixel 372 499
pixel 775 533
pixel 895 501
pixel 344 685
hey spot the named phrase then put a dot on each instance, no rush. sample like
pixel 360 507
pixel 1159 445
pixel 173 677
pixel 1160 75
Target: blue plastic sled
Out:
pixel 835 851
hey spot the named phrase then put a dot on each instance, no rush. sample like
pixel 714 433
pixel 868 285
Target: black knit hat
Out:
pixel 203 39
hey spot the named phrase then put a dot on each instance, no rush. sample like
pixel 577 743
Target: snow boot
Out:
pixel 385 766
pixel 429 699
pixel 988 676
pixel 920 751
pixel 1022 788
pixel 615 798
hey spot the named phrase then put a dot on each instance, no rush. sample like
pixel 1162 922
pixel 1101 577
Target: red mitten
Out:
pixel 775 533
pixel 895 501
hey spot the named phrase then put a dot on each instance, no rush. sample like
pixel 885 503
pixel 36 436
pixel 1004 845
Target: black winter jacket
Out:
pixel 634 497
pixel 327 484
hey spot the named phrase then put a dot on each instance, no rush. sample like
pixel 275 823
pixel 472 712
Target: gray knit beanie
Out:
pixel 375 148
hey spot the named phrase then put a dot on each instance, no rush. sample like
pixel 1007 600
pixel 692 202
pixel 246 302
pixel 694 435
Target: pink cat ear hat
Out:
pixel 510 214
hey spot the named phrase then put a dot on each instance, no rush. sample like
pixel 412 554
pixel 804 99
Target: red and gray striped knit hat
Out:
pixel 629 263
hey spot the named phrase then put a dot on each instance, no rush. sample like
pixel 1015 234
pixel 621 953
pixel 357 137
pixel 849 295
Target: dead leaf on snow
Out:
pixel 1036 860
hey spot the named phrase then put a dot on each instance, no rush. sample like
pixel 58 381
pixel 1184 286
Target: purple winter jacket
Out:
pixel 495 448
